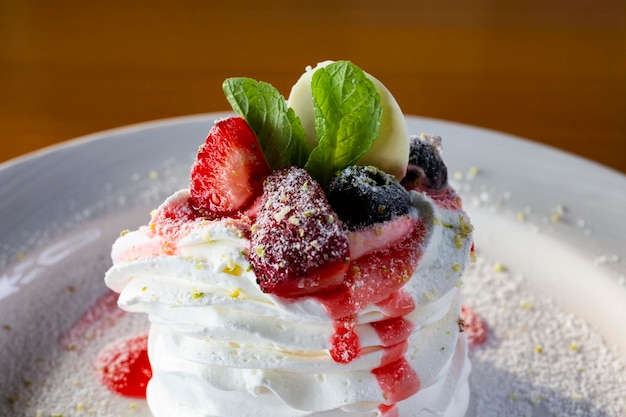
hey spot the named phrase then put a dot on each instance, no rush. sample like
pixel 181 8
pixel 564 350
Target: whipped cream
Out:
pixel 219 346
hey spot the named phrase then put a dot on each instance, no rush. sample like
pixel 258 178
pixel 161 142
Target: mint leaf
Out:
pixel 347 118
pixel 277 127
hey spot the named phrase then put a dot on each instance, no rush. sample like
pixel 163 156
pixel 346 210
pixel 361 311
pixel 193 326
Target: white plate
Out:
pixel 61 208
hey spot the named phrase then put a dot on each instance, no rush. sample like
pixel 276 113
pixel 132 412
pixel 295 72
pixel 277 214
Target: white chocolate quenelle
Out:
pixel 390 149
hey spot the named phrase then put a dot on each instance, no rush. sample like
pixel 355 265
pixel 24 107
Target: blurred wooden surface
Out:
pixel 553 72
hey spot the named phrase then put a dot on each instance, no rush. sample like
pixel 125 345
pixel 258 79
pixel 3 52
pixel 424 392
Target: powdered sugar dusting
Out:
pixel 538 360
pixel 54 318
pixel 297 236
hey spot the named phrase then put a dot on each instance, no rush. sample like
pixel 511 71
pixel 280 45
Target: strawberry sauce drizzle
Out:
pixel 345 344
pixel 397 380
pixel 124 368
pixel 173 221
pixel 395 376
pixel 393 331
pixel 389 410
pixel 377 278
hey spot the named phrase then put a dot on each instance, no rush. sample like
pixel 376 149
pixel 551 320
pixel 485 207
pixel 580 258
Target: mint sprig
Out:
pixel 276 126
pixel 347 110
pixel 347 118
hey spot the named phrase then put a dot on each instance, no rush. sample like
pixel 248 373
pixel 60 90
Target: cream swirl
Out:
pixel 219 346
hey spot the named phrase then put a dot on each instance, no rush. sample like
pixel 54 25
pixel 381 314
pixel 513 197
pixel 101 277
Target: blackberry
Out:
pixel 365 195
pixel 426 169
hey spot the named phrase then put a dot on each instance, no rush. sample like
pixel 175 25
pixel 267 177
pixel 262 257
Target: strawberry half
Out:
pixel 229 169
pixel 297 245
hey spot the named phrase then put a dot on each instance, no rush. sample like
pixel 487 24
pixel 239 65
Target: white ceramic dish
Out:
pixel 61 208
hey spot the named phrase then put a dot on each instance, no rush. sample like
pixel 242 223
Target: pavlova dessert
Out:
pixel 311 268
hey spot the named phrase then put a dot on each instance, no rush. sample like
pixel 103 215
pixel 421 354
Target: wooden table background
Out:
pixel 550 71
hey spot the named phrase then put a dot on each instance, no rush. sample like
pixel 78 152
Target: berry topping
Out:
pixel 365 195
pixel 426 169
pixel 297 243
pixel 124 368
pixel 229 169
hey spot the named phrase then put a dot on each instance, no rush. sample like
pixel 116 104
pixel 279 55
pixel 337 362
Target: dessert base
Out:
pixel 190 401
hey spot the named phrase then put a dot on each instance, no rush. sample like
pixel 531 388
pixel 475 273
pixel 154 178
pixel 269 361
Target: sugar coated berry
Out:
pixel 365 195
pixel 426 169
pixel 297 244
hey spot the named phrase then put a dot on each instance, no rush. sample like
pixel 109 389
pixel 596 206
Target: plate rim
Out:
pixel 169 121
pixel 32 157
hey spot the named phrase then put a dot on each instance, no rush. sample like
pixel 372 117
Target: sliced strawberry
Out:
pixel 229 169
pixel 124 368
pixel 297 243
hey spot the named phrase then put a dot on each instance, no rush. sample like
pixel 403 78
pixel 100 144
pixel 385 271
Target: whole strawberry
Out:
pixel 229 169
pixel 297 243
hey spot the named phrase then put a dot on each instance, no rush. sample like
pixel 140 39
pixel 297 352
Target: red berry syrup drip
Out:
pixel 474 327
pixel 124 368
pixel 378 278
pixel 345 344
pixel 397 380
pixel 393 331
pixel 389 410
